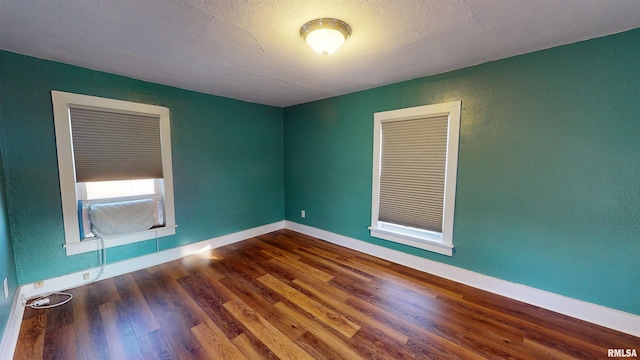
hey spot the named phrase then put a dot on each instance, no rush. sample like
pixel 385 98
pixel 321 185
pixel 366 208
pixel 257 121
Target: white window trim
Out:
pixel 436 242
pixel 61 102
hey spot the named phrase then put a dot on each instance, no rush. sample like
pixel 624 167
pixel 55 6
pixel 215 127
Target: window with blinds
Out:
pixel 114 156
pixel 415 163
pixel 111 145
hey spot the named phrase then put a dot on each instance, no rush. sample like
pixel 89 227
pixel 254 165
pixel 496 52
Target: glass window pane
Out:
pixel 119 188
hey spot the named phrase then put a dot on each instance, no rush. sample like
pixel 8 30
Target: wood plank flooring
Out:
pixel 285 295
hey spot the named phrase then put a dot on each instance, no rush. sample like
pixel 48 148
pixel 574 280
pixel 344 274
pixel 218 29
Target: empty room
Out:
pixel 320 179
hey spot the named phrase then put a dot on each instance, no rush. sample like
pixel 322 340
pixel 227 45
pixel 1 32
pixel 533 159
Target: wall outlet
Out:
pixel 303 214
pixel 38 284
pixel 5 284
pixel 86 276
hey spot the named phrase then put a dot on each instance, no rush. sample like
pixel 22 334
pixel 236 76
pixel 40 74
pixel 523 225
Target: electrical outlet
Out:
pixel 38 284
pixel 5 284
pixel 86 276
pixel 303 214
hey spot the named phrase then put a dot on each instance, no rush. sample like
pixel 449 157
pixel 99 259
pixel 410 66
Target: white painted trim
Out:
pixel 76 279
pixel 425 244
pixel 12 330
pixel 94 244
pixel 593 313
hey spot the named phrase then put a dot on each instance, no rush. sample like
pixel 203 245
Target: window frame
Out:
pixel 61 103
pixel 441 243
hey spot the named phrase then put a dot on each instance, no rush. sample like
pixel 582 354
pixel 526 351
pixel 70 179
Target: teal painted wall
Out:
pixel 7 265
pixel 227 162
pixel 548 174
pixel 548 191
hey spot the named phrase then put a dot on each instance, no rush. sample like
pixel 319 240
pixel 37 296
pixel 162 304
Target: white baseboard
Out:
pixel 76 279
pixel 11 332
pixel 593 313
pixel 70 281
pixel 600 315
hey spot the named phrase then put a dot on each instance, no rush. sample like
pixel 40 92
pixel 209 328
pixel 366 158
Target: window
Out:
pixel 414 175
pixel 95 190
pixel 114 160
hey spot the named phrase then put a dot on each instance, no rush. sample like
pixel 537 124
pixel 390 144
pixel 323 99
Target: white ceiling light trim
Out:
pixel 325 35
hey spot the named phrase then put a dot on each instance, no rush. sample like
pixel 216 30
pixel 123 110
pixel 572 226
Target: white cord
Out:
pixel 103 261
pixel 42 302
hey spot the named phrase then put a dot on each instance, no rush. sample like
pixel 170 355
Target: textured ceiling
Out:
pixel 251 49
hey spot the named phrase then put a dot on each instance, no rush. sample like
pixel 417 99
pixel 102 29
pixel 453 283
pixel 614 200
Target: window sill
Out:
pixel 84 246
pixel 434 246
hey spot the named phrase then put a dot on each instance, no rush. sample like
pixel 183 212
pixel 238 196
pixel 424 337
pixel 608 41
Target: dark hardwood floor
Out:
pixel 289 296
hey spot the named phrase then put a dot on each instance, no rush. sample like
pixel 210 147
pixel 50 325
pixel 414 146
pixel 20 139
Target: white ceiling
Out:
pixel 251 49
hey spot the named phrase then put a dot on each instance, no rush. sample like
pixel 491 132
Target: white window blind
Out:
pixel 412 172
pixel 110 145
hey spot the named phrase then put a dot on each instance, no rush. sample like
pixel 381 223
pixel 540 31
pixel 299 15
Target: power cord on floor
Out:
pixel 44 301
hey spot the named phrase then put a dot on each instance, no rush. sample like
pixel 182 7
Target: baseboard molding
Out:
pixel 12 330
pixel 76 279
pixel 600 315
pixel 70 281
pixel 593 313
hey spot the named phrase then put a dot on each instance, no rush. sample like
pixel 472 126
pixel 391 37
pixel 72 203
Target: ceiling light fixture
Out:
pixel 325 35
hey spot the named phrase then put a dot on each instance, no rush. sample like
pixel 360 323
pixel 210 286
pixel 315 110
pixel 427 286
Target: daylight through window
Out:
pixel 114 161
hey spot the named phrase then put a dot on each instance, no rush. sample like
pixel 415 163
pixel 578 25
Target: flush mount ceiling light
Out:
pixel 325 35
